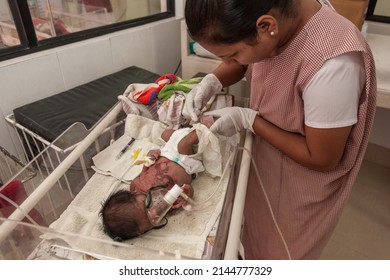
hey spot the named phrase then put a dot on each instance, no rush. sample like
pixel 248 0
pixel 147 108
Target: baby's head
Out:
pixel 124 215
pixel 127 215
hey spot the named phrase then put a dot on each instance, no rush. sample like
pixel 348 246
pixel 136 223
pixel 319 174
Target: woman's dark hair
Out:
pixel 230 21
pixel 117 215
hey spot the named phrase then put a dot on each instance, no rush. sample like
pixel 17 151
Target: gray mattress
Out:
pixel 84 104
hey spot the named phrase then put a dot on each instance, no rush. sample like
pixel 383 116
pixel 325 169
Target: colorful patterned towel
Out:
pixel 162 100
pixel 149 94
pixel 164 88
pixel 182 85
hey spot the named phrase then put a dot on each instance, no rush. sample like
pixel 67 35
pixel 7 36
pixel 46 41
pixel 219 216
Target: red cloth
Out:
pixel 16 192
pixel 148 95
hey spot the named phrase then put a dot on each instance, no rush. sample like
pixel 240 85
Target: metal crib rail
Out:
pixel 18 215
pixel 234 235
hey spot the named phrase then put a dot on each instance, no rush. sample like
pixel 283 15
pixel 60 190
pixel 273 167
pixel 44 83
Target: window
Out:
pixel 32 25
pixel 8 33
pixel 379 10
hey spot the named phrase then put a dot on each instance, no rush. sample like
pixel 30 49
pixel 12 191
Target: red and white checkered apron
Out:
pixel 307 204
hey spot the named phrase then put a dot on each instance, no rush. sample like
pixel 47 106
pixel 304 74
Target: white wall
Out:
pixel 380 134
pixel 154 47
pixel 382 8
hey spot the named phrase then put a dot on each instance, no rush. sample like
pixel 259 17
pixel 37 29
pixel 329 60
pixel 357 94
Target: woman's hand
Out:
pixel 232 120
pixel 199 95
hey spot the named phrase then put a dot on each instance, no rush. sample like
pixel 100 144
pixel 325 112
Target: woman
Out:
pixel 312 104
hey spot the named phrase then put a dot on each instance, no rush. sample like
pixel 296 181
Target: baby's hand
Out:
pixel 188 190
pixel 154 154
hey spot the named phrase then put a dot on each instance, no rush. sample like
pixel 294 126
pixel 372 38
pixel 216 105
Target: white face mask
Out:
pixel 156 206
pixel 158 203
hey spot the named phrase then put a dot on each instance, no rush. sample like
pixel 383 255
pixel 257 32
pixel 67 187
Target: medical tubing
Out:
pixel 188 199
pixel 121 179
pixel 268 202
pixel 198 203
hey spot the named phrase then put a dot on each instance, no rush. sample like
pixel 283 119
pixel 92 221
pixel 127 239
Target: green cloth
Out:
pixel 183 85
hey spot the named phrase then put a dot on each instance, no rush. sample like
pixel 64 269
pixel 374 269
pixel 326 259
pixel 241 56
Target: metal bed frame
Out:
pixel 229 230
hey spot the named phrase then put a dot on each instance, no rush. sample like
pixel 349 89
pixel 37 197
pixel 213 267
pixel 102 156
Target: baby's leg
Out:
pixel 185 146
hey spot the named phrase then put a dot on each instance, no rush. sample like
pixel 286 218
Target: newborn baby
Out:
pixel 126 213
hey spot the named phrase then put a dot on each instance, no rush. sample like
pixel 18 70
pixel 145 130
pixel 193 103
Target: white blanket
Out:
pixel 186 231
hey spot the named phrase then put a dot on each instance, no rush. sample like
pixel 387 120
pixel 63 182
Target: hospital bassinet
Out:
pixel 56 175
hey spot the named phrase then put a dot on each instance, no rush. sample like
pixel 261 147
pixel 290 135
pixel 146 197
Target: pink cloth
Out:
pixel 307 204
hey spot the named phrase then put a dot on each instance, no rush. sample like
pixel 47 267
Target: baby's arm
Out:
pixel 185 145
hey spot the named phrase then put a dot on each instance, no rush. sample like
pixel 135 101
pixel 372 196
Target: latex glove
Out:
pixel 199 95
pixel 232 120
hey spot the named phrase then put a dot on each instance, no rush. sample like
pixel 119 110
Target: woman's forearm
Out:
pixel 229 72
pixel 318 149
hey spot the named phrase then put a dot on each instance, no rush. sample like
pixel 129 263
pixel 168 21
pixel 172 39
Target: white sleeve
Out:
pixel 331 98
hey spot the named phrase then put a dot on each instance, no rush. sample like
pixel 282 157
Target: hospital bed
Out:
pixel 56 220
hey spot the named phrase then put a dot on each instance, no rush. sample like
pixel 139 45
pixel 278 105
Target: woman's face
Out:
pixel 243 53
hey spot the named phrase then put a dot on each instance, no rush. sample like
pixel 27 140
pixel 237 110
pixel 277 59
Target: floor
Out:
pixel 363 232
